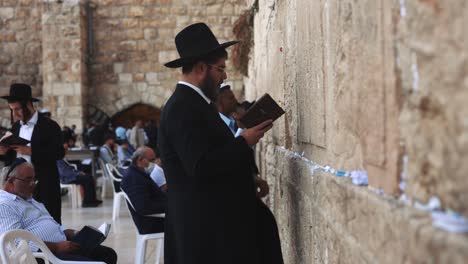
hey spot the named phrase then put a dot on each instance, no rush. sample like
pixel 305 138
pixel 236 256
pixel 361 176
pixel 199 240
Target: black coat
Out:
pixel 46 149
pixel 147 198
pixel 211 215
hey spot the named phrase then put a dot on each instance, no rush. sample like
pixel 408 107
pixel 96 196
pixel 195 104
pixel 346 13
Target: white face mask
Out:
pixel 150 168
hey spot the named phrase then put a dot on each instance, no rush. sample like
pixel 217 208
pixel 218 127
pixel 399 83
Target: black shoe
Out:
pixel 91 204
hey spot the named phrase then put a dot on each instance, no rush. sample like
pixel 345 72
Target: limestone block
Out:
pixel 214 9
pixel 138 77
pixel 152 78
pixel 6 13
pixel 127 45
pixel 150 33
pixel 5 59
pixel 118 67
pixel 165 56
pixel 135 11
pixel 141 87
pixel 125 77
pixel 7 36
pixel 129 22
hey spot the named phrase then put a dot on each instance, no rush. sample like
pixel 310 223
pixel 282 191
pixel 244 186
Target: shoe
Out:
pixel 91 204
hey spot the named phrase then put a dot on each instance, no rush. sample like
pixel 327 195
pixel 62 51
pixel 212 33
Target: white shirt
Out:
pixel 196 89
pixel 26 132
pixel 30 215
pixel 227 120
pixel 158 175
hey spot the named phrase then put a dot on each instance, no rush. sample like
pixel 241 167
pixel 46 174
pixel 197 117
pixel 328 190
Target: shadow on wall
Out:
pixel 138 111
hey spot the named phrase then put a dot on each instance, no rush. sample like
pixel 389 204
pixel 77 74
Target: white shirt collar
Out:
pixel 225 119
pixel 32 121
pixel 8 195
pixel 196 89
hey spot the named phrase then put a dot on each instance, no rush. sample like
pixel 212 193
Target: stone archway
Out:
pixel 139 111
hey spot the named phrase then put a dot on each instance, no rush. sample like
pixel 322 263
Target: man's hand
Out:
pixel 69 233
pixel 23 150
pixel 254 134
pixel 262 187
pixel 63 247
pixel 3 150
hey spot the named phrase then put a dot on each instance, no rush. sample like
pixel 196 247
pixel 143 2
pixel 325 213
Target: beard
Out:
pixel 210 88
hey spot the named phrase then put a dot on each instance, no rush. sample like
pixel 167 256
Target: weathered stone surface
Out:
pixel 362 85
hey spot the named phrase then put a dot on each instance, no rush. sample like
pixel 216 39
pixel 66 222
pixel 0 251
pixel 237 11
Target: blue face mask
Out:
pixel 150 168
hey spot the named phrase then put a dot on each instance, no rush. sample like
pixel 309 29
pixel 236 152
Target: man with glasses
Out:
pixel 18 210
pixel 212 214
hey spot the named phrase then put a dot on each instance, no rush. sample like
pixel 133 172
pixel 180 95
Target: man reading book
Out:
pixel 18 210
pixel 44 149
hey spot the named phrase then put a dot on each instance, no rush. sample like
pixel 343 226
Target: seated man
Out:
pixel 144 194
pixel 18 210
pixel 124 152
pixel 106 153
pixel 68 174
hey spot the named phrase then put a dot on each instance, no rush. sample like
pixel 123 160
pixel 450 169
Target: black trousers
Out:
pixel 87 182
pixel 101 253
pixel 269 244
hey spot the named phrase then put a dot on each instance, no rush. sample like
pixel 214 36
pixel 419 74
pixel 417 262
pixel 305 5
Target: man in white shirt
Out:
pixel 18 210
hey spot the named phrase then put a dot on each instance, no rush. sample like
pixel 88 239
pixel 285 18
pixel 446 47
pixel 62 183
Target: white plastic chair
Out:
pixel 21 254
pixel 105 177
pixel 118 195
pixel 73 191
pixel 142 238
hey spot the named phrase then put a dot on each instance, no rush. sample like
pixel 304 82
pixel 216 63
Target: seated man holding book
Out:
pixel 145 196
pixel 18 210
pixel 69 175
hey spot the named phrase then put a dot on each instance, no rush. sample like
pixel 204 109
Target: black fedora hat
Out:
pixel 19 92
pixel 194 42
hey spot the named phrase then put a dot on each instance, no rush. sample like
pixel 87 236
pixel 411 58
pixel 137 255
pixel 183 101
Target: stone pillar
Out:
pixel 64 65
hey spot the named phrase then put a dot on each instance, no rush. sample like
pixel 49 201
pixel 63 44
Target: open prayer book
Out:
pixel 9 140
pixel 264 109
pixel 90 237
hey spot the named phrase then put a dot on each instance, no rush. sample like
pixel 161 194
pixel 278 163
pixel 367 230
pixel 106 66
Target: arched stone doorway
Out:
pixel 138 111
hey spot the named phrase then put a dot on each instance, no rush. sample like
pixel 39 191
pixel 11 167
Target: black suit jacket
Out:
pixel 46 148
pixel 211 199
pixel 147 199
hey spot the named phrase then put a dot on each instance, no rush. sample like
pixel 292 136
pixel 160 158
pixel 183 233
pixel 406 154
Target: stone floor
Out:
pixel 122 235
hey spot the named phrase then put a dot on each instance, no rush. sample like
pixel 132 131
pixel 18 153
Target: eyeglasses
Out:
pixel 219 68
pixel 31 181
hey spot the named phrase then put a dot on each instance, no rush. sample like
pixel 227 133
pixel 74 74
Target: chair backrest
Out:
pixel 111 169
pixel 129 204
pixel 12 253
pixel 102 164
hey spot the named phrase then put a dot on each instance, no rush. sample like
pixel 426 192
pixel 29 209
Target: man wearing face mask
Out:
pixel 145 196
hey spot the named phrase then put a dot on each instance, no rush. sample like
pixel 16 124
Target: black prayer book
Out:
pixel 90 238
pixel 11 140
pixel 264 109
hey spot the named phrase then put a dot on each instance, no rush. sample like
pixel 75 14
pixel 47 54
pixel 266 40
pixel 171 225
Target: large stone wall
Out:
pixel 134 38
pixel 20 48
pixel 64 62
pixel 109 56
pixel 364 85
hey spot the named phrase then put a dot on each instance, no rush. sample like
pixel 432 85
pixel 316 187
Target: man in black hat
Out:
pixel 212 215
pixel 44 149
